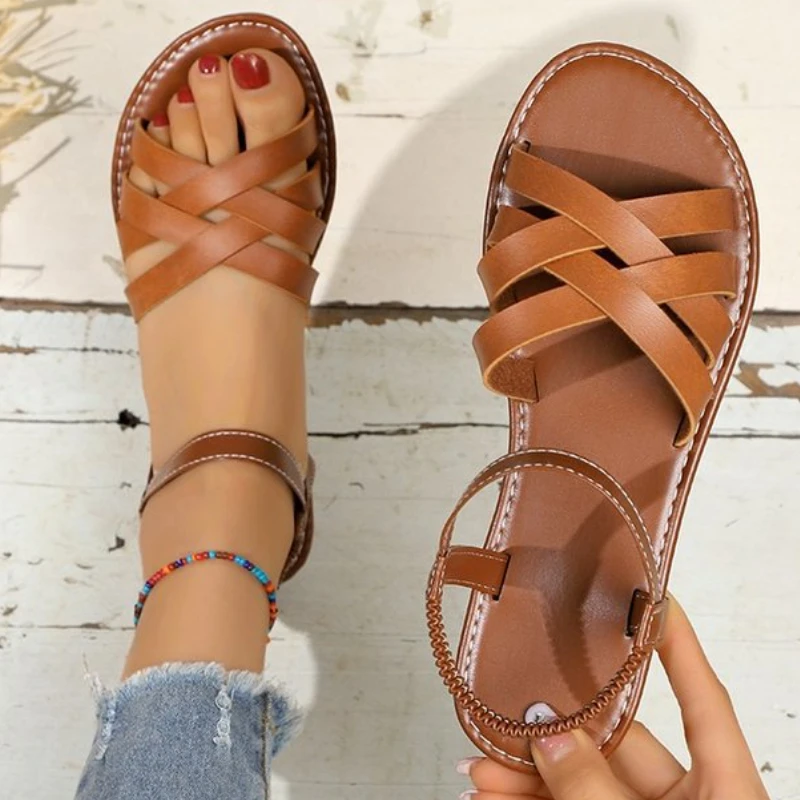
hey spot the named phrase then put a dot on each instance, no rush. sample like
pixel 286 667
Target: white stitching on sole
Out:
pixel 662 537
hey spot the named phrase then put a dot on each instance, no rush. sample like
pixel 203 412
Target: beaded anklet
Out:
pixel 210 555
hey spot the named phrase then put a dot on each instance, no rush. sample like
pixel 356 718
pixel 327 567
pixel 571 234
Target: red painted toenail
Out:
pixel 159 120
pixel 185 95
pixel 208 65
pixel 250 70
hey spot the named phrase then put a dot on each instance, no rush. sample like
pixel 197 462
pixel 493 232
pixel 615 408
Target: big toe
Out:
pixel 210 84
pixel 268 95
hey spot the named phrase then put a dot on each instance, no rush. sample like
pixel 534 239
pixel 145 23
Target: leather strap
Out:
pixel 237 445
pixel 593 210
pixel 476 568
pixel 635 297
pixel 581 468
pixel 520 242
pixel 484 571
pixel 234 242
pixel 691 276
pixel 235 187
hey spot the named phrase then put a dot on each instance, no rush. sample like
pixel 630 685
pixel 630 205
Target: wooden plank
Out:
pixel 407 53
pixel 428 89
pixel 379 720
pixel 70 518
pixel 381 377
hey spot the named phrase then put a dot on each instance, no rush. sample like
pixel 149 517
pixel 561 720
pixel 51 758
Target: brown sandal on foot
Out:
pixel 297 212
pixel 620 261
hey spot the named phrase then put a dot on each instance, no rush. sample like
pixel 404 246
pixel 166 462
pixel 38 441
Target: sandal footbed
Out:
pixel 633 127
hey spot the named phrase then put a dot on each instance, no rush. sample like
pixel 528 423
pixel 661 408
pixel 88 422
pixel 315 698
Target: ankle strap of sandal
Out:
pixel 236 445
pixel 257 448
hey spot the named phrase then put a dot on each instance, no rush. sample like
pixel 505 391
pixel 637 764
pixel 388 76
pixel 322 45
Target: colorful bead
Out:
pixel 212 555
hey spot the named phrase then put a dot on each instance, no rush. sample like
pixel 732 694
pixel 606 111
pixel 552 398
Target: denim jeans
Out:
pixel 187 732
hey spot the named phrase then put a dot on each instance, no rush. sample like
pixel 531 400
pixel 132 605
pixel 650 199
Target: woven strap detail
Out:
pixel 670 305
pixel 251 214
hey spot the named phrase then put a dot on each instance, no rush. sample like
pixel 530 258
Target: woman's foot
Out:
pixel 225 352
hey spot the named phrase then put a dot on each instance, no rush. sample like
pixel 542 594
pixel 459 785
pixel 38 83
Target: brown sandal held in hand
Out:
pixel 620 262
pixel 297 212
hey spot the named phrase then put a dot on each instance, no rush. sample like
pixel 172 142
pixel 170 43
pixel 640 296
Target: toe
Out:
pixel 184 124
pixel 158 128
pixel 268 95
pixel 210 85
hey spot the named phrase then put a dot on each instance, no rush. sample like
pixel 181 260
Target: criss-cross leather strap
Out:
pixel 485 571
pixel 668 304
pixel 179 216
pixel 250 447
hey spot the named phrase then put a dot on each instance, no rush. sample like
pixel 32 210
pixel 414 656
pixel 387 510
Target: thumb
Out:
pixel 574 769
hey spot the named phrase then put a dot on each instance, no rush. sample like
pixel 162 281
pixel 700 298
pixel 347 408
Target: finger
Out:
pixel 574 769
pixel 643 764
pixel 489 776
pixel 712 730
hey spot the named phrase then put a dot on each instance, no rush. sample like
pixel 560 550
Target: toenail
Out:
pixel 250 70
pixel 208 65
pixel 159 120
pixel 185 95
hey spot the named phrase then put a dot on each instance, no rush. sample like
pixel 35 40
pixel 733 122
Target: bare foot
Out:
pixel 225 352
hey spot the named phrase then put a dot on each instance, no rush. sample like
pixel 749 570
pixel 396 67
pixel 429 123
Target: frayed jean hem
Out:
pixel 188 731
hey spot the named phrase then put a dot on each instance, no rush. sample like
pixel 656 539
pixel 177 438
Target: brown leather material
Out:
pixel 234 242
pixel 520 248
pixel 689 276
pixel 620 249
pixel 297 212
pixel 475 568
pixel 306 191
pixel 480 570
pixel 234 187
pixel 570 464
pixel 647 620
pixel 602 283
pixel 236 445
pixel 253 448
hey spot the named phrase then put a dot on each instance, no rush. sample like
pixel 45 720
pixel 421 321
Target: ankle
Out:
pixel 211 612
pixel 223 505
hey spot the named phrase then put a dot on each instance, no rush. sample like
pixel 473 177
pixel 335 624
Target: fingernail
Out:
pixel 554 748
pixel 159 120
pixel 466 795
pixel 250 71
pixel 208 65
pixel 464 767
pixel 185 95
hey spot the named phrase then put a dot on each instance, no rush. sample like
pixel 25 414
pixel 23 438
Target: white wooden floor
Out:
pixel 421 90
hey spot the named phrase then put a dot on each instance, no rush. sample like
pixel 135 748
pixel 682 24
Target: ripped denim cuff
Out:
pixel 193 731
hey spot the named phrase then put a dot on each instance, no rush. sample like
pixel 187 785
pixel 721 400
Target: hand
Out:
pixel 571 767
